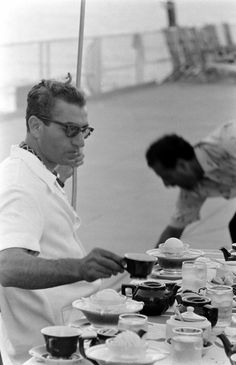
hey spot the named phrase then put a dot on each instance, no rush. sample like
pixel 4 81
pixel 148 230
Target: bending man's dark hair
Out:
pixel 42 98
pixel 168 149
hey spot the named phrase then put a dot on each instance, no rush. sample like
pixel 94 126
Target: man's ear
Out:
pixel 35 126
pixel 182 165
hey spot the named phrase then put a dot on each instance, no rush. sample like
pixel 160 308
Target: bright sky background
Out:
pixel 22 20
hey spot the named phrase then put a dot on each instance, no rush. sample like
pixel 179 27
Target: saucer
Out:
pixel 205 348
pixel 40 353
pixel 109 316
pixel 102 354
pixel 162 274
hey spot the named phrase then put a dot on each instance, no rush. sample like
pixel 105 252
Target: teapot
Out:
pixel 201 304
pixel 188 319
pixel 157 297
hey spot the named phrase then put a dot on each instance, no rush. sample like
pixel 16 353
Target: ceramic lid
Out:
pixel 190 316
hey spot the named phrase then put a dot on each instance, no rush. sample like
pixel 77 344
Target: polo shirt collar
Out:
pixel 205 161
pixel 35 165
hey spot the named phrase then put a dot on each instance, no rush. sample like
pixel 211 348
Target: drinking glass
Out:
pixel 222 297
pixel 186 346
pixel 194 275
pixel 133 322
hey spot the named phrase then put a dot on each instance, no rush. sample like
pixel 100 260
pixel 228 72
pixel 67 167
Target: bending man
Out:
pixel 205 170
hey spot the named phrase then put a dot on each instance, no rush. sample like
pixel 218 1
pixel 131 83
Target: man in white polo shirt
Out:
pixel 43 265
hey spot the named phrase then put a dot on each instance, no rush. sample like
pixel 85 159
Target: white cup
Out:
pixel 133 322
pixel 186 346
pixel 194 275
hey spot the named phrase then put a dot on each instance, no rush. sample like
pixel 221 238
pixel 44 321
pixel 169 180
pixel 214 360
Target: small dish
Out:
pixel 101 317
pixel 40 353
pixel 159 273
pixel 104 356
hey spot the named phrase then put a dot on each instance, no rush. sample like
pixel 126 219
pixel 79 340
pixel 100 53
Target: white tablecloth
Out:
pixel 215 356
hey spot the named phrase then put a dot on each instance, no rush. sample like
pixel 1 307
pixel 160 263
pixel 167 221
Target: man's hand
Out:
pixel 100 263
pixel 66 171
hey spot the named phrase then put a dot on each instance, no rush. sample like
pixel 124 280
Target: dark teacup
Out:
pixel 61 341
pixel 139 265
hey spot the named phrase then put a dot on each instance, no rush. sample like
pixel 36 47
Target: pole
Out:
pixel 78 82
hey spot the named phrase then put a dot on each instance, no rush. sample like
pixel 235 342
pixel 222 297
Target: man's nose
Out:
pixel 78 140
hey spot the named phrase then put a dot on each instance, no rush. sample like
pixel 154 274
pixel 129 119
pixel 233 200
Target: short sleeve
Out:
pixel 187 208
pixel 21 222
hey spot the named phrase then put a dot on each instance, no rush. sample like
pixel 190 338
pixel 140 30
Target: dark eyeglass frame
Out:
pixel 72 130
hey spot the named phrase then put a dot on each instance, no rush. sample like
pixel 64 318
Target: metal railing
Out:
pixel 109 62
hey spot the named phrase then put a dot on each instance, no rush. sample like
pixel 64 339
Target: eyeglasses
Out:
pixel 72 130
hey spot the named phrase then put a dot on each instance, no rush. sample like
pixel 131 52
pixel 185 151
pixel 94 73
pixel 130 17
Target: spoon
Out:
pixel 178 314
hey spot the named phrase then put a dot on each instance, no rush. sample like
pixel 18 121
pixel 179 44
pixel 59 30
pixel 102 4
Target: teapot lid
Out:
pixel 190 316
pixel 152 285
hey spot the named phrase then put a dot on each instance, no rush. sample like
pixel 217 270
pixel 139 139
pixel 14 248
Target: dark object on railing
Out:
pixel 199 53
pixel 171 13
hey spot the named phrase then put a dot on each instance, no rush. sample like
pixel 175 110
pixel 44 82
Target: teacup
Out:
pixel 61 341
pixel 139 265
pixel 135 322
pixel 187 345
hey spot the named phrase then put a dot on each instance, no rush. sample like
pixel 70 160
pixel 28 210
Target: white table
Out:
pixel 215 356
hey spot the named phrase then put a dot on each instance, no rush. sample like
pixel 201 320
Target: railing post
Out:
pixel 228 36
pixel 140 58
pixel 41 60
pixel 94 66
pixel 48 59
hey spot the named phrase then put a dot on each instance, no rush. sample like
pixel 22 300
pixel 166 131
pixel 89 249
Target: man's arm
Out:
pixel 19 268
pixel 168 232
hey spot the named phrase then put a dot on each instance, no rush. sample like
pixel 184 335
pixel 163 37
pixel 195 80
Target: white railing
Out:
pixel 109 62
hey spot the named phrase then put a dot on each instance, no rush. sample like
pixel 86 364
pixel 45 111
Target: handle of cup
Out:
pixel 211 313
pixel 128 286
pixel 93 339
